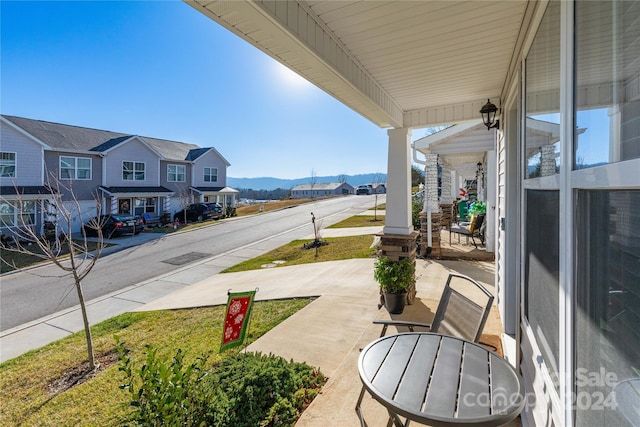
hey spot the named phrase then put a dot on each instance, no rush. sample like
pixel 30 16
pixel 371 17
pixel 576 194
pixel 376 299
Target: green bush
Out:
pixel 258 390
pixel 168 393
pixel 417 206
pixel 247 389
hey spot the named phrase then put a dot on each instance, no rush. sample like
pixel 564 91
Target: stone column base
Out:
pixel 436 221
pixel 397 247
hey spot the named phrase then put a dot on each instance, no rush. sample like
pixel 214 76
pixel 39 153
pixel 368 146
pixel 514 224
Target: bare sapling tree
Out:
pixel 184 197
pixel 76 258
pixel 377 180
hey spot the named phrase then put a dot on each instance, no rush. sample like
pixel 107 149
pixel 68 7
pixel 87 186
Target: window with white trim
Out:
pixel 7 165
pixel 17 214
pixel 133 171
pixel 75 167
pixel 176 173
pixel 210 174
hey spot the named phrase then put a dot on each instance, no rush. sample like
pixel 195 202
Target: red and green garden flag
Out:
pixel 236 318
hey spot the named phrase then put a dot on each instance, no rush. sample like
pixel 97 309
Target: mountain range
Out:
pixel 269 183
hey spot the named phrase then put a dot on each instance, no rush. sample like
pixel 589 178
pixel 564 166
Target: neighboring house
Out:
pixel 129 174
pixel 321 190
pixel 379 188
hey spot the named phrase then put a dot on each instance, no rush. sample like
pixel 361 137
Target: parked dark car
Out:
pixel 218 208
pixel 196 212
pixel 114 225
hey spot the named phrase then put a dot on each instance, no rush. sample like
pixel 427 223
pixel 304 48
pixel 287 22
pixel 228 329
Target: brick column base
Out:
pixel 397 247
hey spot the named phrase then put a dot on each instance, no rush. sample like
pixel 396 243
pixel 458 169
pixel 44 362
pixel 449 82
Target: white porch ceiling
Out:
pixel 398 63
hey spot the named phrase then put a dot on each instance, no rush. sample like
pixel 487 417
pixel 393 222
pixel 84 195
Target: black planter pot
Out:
pixel 394 303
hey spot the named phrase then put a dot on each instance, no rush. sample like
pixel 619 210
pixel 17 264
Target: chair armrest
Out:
pixel 386 323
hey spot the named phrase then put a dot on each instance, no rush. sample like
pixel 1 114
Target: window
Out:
pixel 542 272
pixel 11 215
pixel 607 73
pixel 7 165
pixel 607 299
pixel 144 205
pixel 542 85
pixel 210 174
pixel 176 173
pixel 133 171
pixel 75 167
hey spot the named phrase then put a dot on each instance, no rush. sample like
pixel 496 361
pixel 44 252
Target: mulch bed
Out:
pixel 79 374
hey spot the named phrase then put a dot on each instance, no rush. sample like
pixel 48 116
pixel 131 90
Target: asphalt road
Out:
pixel 34 293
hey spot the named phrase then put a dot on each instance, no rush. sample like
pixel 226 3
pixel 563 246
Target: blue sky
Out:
pixel 164 70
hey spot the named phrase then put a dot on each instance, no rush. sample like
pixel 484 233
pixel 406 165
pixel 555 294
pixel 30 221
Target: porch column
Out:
pixel 431 205
pixel 491 177
pixel 167 204
pixel 398 239
pixel 398 212
pixel 547 161
pixel 114 205
pixel 446 195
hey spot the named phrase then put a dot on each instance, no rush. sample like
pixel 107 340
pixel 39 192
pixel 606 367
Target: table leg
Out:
pixel 363 423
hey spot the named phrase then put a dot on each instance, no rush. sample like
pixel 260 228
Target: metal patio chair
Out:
pixel 462 312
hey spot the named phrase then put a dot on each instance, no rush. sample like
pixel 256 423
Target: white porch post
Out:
pixel 398 212
pixel 491 176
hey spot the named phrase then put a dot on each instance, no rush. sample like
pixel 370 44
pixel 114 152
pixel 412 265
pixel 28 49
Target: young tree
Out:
pixel 76 258
pixel 377 180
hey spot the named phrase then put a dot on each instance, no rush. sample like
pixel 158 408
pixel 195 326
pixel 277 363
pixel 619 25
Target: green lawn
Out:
pixel 294 253
pixel 99 401
pixel 360 221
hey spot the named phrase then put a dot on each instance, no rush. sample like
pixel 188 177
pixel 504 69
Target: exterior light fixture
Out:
pixel 479 168
pixel 488 112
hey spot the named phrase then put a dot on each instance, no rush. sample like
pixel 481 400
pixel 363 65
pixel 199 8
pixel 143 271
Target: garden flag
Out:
pixel 236 318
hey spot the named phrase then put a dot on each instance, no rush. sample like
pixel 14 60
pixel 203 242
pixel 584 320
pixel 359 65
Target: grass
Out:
pixel 360 221
pixel 20 260
pixel 99 401
pixel 270 206
pixel 293 253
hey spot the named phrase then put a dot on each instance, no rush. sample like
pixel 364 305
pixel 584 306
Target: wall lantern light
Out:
pixel 488 112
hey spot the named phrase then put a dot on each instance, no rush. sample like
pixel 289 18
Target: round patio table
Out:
pixel 440 380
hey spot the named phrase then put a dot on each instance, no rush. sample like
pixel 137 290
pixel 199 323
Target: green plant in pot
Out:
pixel 395 278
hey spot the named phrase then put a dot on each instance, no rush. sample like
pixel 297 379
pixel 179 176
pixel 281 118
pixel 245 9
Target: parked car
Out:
pixel 218 208
pixel 364 189
pixel 196 212
pixel 114 225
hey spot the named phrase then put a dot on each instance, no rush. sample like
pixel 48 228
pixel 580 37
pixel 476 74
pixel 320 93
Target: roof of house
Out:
pixel 319 186
pixel 77 138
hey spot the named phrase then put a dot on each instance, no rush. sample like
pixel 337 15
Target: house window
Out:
pixel 144 205
pixel 542 85
pixel 133 171
pixel 607 71
pixel 607 300
pixel 75 167
pixel 12 215
pixel 210 174
pixel 176 173
pixel 7 165
pixel 542 273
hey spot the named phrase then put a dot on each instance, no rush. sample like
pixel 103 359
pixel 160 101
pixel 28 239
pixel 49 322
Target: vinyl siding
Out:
pixel 209 160
pixel 29 164
pixel 132 151
pixel 82 189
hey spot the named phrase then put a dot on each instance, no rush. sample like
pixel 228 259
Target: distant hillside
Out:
pixel 268 183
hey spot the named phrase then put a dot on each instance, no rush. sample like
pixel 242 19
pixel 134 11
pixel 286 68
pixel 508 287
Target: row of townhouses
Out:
pixel 329 189
pixel 126 174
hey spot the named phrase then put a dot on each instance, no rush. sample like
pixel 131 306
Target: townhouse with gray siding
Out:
pixel 126 174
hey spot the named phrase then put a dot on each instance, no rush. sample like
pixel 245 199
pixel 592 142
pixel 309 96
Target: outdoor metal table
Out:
pixel 440 380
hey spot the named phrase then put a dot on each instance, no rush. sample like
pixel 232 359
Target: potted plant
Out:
pixel 395 278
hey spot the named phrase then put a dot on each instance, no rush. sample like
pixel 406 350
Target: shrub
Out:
pixel 168 393
pixel 252 389
pixel 248 389
pixel 417 206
